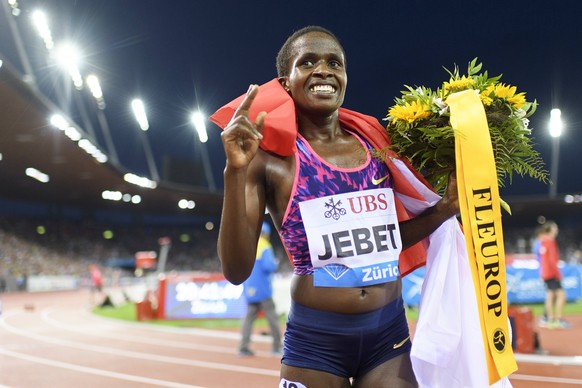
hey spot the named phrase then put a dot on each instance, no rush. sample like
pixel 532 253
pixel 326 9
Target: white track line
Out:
pixel 529 358
pixel 140 355
pixel 94 371
pixel 116 323
pixel 90 331
pixel 168 329
pixel 549 360
pixel 546 379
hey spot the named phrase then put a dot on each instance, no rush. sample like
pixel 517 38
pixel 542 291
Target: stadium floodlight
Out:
pixel 36 174
pixel 186 204
pixel 142 120
pixel 111 195
pixel 68 56
pixel 96 91
pixel 94 86
pixel 556 127
pixel 114 195
pixel 140 114
pixel 59 121
pixel 556 124
pixel 199 122
pixel 86 145
pixel 101 158
pixel 73 134
pixel 92 150
pixel 40 21
pixel 140 181
pixel 14 5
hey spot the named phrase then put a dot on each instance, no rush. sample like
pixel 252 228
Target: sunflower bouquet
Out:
pixel 420 129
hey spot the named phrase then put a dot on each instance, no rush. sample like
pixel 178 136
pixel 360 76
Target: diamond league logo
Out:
pixel 336 271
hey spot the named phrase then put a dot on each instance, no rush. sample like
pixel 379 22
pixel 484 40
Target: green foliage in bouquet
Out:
pixel 420 130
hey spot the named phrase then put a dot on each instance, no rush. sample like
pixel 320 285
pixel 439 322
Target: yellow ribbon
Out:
pixel 481 218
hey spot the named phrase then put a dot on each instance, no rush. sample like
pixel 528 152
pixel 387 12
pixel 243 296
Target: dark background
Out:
pixel 184 55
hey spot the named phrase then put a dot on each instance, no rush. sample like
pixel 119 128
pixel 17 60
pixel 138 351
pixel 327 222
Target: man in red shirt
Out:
pixel 96 281
pixel 548 255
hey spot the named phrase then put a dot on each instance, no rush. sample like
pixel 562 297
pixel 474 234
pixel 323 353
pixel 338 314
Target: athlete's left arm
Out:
pixel 419 227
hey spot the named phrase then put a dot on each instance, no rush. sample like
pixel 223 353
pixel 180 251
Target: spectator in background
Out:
pixel 548 254
pixel 258 291
pixel 96 281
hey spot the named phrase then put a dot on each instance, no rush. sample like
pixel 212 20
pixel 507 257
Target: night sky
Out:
pixel 181 55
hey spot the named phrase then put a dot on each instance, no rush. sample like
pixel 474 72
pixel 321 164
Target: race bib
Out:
pixel 353 238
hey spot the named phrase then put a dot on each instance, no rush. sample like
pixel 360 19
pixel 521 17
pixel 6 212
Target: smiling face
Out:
pixel 317 76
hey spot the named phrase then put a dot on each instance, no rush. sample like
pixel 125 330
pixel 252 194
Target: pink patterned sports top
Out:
pixel 314 177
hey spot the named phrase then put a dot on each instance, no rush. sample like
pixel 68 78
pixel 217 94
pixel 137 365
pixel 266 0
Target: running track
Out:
pixel 52 340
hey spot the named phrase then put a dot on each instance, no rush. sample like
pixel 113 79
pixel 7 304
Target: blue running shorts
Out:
pixel 346 345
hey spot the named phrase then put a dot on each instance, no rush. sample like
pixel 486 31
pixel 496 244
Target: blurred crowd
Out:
pixel 520 240
pixel 32 247
pixel 63 247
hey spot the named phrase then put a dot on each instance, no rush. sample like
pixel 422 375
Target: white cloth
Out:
pixel 447 348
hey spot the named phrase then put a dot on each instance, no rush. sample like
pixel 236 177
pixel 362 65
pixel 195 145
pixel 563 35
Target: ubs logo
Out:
pixel 334 210
pixel 499 340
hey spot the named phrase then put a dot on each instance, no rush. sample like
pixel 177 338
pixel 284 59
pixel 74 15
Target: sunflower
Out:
pixel 410 112
pixel 456 85
pixel 507 93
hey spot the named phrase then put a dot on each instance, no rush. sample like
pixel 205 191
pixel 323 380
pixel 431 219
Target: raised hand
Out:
pixel 241 137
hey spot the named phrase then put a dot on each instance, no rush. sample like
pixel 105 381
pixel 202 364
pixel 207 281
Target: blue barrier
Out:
pixel 524 285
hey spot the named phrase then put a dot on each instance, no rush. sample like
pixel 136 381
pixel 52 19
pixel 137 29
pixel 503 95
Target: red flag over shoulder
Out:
pixel 280 128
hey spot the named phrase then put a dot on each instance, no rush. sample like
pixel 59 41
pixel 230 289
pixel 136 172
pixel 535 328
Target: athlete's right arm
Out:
pixel 244 199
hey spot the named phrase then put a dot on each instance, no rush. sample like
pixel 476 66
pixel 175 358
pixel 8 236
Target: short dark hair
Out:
pixel 285 52
pixel 546 227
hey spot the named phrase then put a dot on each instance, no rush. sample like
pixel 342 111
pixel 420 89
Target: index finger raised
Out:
pixel 245 106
